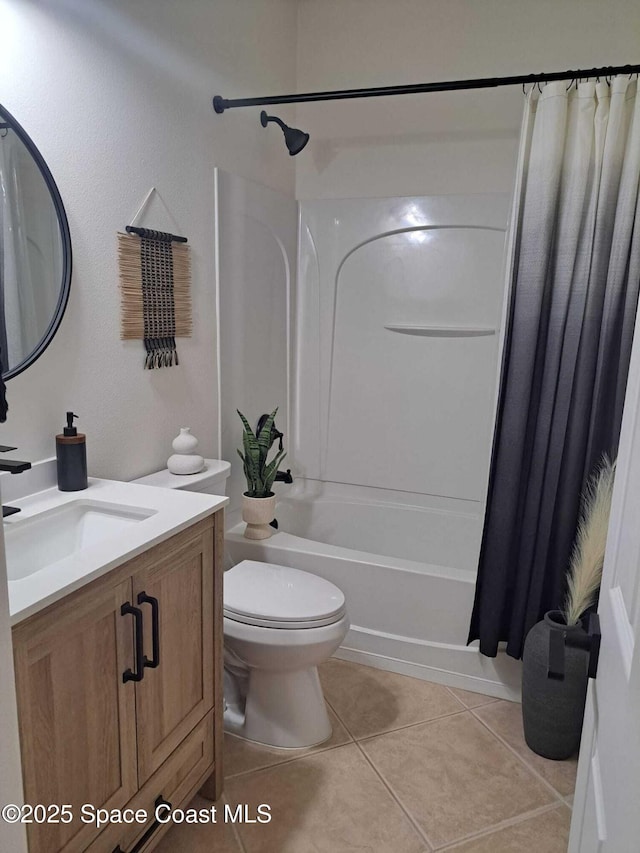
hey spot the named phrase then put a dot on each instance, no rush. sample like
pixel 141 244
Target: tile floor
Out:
pixel 411 767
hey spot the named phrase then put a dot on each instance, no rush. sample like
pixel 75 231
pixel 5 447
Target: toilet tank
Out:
pixel 212 480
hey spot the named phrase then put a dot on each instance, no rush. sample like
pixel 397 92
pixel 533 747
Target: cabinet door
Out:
pixel 175 782
pixel 176 694
pixel 77 716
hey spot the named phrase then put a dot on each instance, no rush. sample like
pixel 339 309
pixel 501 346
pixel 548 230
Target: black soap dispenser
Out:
pixel 71 455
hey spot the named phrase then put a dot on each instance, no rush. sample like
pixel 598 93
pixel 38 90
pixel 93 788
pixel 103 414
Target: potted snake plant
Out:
pixel 259 502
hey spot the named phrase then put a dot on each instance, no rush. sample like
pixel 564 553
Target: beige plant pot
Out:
pixel 258 513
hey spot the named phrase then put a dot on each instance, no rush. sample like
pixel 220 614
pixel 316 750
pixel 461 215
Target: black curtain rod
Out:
pixel 221 104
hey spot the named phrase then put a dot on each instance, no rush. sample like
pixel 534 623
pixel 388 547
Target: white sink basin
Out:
pixel 43 539
pixel 61 541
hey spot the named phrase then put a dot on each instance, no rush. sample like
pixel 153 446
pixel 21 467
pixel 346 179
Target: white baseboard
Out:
pixel 454 666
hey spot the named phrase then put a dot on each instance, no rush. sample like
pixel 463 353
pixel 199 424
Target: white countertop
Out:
pixel 173 511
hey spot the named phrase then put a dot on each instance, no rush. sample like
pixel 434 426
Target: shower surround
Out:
pixel 395 335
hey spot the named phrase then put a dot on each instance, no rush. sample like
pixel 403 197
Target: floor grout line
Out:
pixel 522 760
pixel 352 738
pixel 310 751
pixel 491 700
pixel 421 833
pixel 236 832
pixel 342 722
pixel 412 725
pixel 457 698
pixel 238 838
pixel 308 754
pixel 355 739
pixel 408 725
pixel 497 827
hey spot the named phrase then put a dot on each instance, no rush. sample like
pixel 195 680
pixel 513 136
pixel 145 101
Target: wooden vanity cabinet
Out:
pixel 93 734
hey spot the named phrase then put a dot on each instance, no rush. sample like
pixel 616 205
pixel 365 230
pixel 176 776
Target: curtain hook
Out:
pixel 573 79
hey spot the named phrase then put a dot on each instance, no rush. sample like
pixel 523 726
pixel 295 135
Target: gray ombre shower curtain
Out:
pixel 574 280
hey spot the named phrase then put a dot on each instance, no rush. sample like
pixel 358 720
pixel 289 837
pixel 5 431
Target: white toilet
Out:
pixel 279 625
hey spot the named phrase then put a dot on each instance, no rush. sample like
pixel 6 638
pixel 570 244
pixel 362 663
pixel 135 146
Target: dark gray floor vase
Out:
pixel 552 709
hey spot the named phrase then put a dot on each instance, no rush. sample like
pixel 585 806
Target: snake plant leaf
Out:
pixel 272 469
pixel 251 449
pixel 245 466
pixel 247 472
pixel 245 423
pixel 264 436
pixel 248 432
pixel 252 453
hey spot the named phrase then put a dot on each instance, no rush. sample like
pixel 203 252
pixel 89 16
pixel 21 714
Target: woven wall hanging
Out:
pixel 155 288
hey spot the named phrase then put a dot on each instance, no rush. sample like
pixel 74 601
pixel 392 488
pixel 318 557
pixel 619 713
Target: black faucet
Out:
pixel 281 476
pixel 14 466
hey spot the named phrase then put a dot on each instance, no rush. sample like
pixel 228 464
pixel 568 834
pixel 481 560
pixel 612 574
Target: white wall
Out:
pixel 117 96
pixel 458 142
pixel 257 230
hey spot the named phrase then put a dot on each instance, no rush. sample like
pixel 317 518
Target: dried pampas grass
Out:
pixel 585 569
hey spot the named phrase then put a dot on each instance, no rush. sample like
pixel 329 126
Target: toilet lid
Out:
pixel 277 596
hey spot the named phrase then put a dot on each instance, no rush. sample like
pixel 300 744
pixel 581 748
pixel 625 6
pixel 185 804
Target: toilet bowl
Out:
pixel 279 625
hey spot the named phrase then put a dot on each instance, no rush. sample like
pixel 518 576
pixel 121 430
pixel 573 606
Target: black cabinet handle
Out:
pixel 143 598
pixel 129 674
pixel 152 828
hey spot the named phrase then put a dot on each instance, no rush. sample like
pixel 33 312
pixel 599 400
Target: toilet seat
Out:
pixel 270 596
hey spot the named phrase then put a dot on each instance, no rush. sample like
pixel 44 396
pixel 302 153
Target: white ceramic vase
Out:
pixel 185 460
pixel 258 513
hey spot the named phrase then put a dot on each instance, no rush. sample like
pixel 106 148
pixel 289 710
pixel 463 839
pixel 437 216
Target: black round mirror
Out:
pixel 35 251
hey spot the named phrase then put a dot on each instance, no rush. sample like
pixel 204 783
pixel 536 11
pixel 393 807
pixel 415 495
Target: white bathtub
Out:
pixel 408 574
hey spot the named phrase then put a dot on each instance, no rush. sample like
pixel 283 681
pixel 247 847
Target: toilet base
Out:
pixel 283 709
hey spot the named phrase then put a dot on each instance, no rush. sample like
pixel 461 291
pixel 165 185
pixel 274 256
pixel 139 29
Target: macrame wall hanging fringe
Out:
pixel 155 286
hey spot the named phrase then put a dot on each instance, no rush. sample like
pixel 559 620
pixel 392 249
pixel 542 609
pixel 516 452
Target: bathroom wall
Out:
pixel 256 235
pixel 441 143
pixel 117 96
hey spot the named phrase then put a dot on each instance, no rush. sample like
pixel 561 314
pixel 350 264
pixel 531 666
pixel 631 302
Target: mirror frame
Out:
pixel 65 236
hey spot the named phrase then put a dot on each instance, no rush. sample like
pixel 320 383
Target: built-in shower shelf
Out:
pixel 442 331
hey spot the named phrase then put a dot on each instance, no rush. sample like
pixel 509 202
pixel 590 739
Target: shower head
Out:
pixel 295 139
